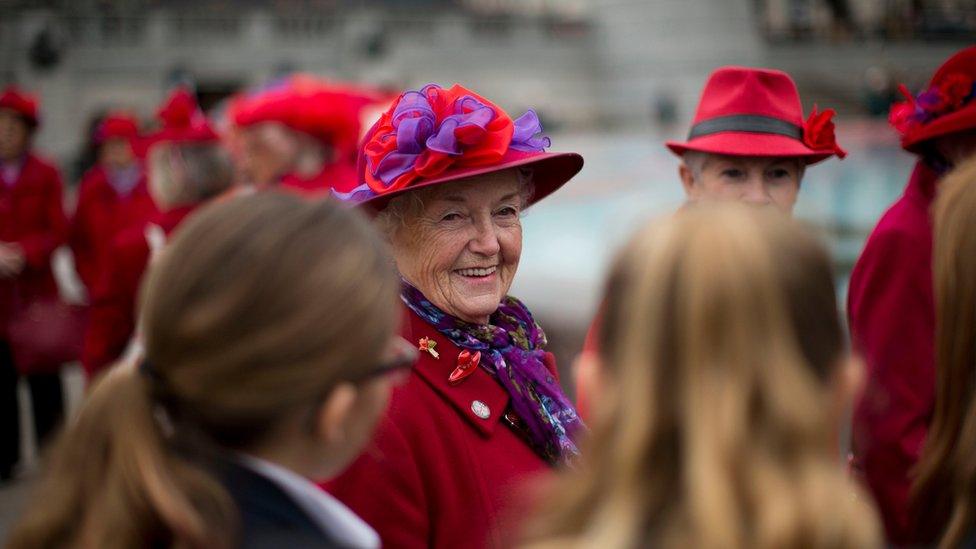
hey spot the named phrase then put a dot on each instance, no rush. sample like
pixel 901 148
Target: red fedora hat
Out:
pixel 24 104
pixel 757 112
pixel 947 106
pixel 436 135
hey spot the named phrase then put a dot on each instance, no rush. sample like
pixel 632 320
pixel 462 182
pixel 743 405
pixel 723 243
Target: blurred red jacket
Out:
pixel 337 175
pixel 101 214
pixel 892 322
pixel 112 320
pixel 436 474
pixel 31 216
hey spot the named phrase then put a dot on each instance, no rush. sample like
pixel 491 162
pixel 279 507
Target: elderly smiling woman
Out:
pixel 448 174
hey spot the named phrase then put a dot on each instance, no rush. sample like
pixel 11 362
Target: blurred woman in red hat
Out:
pixel 32 226
pixel 186 166
pixel 448 175
pixel 302 134
pixel 112 196
pixel 890 302
pixel 748 143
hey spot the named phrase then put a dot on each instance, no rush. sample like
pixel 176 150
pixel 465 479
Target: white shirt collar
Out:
pixel 328 513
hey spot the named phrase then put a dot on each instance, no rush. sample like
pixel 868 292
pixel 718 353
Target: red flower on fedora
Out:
pixel 818 132
pixel 429 130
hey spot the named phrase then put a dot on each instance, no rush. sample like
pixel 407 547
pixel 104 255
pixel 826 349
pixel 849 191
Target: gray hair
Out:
pixel 404 207
pixel 696 160
pixel 186 173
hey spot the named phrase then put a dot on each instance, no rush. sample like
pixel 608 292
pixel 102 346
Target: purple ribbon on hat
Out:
pixel 416 129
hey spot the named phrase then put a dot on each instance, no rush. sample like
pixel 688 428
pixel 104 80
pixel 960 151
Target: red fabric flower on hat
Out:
pixel 955 89
pixel 818 132
pixel 902 115
pixel 429 130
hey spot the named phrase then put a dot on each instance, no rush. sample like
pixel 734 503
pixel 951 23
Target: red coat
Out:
pixel 436 474
pixel 892 320
pixel 112 319
pixel 100 215
pixel 32 216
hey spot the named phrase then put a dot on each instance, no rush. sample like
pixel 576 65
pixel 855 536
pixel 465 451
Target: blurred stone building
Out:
pixel 581 63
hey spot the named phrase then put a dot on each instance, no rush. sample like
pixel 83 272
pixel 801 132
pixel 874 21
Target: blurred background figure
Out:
pixel 265 366
pixel 32 225
pixel 448 175
pixel 723 384
pixel 890 303
pixel 112 196
pixel 301 133
pixel 187 166
pixel 944 490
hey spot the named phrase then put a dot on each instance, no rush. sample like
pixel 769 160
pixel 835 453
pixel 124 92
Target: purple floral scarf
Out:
pixel 513 345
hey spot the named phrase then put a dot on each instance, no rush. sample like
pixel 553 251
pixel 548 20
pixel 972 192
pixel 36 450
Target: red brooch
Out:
pixel 427 345
pixel 466 365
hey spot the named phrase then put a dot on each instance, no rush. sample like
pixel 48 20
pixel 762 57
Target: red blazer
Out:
pixel 892 321
pixel 100 215
pixel 112 319
pixel 436 474
pixel 32 216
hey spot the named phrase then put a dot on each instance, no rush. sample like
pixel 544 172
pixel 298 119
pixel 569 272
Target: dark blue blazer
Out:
pixel 270 519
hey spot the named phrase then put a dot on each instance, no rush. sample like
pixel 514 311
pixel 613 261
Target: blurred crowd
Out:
pixel 297 331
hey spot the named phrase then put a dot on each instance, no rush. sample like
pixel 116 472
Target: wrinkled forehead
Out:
pixel 485 188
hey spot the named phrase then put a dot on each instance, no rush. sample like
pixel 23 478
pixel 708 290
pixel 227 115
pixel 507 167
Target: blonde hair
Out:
pixel 258 307
pixel 944 492
pixel 715 431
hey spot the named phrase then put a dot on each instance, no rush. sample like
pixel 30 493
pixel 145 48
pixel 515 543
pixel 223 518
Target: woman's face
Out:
pixel 268 151
pixel 14 134
pixel 116 153
pixel 463 248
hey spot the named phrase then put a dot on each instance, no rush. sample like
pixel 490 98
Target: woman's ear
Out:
pixel 589 379
pixel 687 179
pixel 851 378
pixel 332 417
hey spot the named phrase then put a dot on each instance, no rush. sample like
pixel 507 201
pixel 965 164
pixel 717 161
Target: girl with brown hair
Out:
pixel 724 375
pixel 266 364
pixel 944 492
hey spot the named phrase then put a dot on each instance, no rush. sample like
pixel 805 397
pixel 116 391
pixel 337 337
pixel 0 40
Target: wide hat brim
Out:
pixel 749 144
pixel 959 121
pixel 550 171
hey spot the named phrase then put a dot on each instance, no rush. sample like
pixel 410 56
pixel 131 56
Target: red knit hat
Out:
pixel 757 112
pixel 117 125
pixel 434 135
pixel 22 103
pixel 947 106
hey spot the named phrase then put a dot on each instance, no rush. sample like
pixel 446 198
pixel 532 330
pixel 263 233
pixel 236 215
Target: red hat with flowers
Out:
pixel 117 125
pixel 24 104
pixel 328 111
pixel 182 121
pixel 757 112
pixel 947 106
pixel 436 135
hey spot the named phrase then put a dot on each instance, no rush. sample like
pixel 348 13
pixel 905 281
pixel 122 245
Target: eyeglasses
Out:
pixel 399 357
